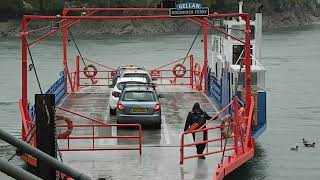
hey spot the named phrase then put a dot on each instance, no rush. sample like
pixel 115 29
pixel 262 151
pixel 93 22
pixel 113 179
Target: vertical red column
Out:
pixel 205 53
pixel 24 63
pixel 247 62
pixel 65 57
pixel 191 71
pixel 24 72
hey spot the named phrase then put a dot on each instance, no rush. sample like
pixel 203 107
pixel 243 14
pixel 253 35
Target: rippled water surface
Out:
pixel 292 60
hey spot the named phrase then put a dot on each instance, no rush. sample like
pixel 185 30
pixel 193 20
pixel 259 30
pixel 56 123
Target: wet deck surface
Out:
pixel 160 151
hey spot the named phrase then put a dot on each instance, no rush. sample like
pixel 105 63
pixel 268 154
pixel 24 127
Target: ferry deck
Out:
pixel 160 148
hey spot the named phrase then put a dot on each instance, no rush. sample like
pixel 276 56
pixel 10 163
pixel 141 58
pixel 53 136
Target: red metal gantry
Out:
pixel 226 166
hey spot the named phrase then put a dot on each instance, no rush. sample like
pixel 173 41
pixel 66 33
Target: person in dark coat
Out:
pixel 197 115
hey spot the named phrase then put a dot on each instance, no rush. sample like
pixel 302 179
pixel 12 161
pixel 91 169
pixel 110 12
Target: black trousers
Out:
pixel 201 147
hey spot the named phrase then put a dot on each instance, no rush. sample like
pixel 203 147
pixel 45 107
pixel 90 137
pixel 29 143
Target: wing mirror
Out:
pixel 154 79
pixel 160 96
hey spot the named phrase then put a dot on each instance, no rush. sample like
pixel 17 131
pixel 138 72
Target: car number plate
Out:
pixel 138 110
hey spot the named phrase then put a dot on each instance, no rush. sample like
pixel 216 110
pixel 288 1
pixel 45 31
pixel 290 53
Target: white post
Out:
pixel 258 36
pixel 240 7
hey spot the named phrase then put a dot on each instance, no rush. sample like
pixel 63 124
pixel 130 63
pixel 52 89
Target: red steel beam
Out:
pixel 66 10
pixel 35 17
pixel 80 115
pixel 66 25
pixel 205 54
pixel 215 28
pixel 209 153
pixel 98 149
pixel 24 63
pixel 206 141
pixel 113 69
pixel 247 63
pixel 100 137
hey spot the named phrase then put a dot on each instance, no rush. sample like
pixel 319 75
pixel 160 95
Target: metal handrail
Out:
pixel 247 150
pixel 202 129
pixel 102 124
pixel 94 137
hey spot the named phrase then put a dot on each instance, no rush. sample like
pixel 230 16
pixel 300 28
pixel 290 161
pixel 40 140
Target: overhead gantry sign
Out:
pixel 189 9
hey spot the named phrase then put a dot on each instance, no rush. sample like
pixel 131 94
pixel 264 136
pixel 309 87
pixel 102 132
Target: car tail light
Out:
pixel 116 94
pixel 120 107
pixel 157 107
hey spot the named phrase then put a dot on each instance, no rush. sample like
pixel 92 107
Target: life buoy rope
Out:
pixel 197 69
pixel 69 127
pixel 227 122
pixel 88 73
pixel 181 72
pixel 226 126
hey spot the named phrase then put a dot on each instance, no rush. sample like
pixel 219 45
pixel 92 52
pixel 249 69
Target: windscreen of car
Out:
pixel 120 85
pixel 147 96
pixel 137 75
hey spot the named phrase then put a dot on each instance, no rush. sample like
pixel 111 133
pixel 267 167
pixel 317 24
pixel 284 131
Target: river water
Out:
pixel 291 57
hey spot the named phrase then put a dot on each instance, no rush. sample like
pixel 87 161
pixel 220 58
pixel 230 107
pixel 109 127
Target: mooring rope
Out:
pixel 77 47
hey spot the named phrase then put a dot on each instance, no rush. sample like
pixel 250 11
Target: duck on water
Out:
pixel 294 149
pixel 309 145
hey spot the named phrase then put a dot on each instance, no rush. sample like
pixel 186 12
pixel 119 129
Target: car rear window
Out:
pixel 137 75
pixel 120 85
pixel 139 96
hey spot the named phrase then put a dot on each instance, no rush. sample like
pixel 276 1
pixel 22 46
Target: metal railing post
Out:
pixel 93 137
pixel 77 72
pixel 182 149
pixel 191 71
pixel 235 124
pixel 140 139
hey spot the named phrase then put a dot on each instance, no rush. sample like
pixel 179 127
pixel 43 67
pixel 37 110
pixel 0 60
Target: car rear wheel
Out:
pixel 112 112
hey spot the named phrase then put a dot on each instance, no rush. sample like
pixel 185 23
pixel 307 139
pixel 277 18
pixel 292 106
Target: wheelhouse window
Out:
pixel 238 31
pixel 254 78
pixel 238 53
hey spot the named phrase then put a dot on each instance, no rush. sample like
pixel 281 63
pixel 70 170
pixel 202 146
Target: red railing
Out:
pixel 93 135
pixel 164 74
pixel 240 155
pixel 183 145
pixel 27 123
pixel 201 130
pixel 242 145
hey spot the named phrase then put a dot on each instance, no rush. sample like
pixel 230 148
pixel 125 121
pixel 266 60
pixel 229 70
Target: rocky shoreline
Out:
pixel 11 28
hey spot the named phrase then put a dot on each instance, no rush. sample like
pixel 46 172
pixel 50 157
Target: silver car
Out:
pixel 139 104
pixel 116 74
